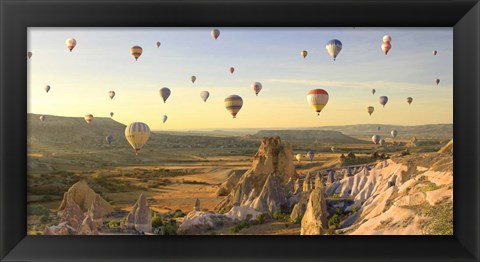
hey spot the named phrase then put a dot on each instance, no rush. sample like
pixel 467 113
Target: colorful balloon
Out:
pixel 394 133
pixel 437 81
pixel 232 70
pixel 386 46
pixel 165 93
pixel 383 100
pixel 215 33
pixel 193 78
pixel 204 95
pixel 88 118
pixel 111 94
pixel 233 104
pixel 109 139
pixel 409 100
pixel 71 43
pixel 370 109
pixel 158 44
pixel 304 53
pixel 334 47
pixel 29 55
pixel 164 118
pixel 137 134
pixel 376 139
pixel 42 118
pixel 256 87
pixel 311 155
pixel 317 98
pixel 136 51
pixel 47 88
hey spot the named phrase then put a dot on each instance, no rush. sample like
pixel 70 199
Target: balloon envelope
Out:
pixel 304 53
pixel 29 54
pixel 382 142
pixel 204 95
pixel 232 70
pixel 88 118
pixel 137 134
pixel 42 118
pixel 71 43
pixel 47 88
pixel 317 98
pixel 165 93
pixel 111 113
pixel 215 33
pixel 334 47
pixel 311 155
pixel 376 139
pixel 332 149
pixel 164 118
pixel 437 81
pixel 136 51
pixel 383 100
pixel 434 52
pixel 409 100
pixel 386 46
pixel 109 139
pixel 233 104
pixel 111 94
pixel 370 109
pixel 256 87
pixel 298 157
pixel 387 38
pixel 193 78
pixel 158 44
pixel 394 133
pixel 373 91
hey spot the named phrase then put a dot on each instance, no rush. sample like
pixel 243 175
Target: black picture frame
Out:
pixel 17 15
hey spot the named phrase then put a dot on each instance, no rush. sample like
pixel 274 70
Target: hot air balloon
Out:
pixel 373 91
pixel 233 104
pixel 232 70
pixel 434 52
pixel 47 88
pixel 334 47
pixel 370 109
pixel 164 118
pixel 304 53
pixel 109 139
pixel 394 133
pixel 29 54
pixel 158 44
pixel 204 95
pixel 165 93
pixel 111 114
pixel 256 87
pixel 409 100
pixel 382 142
pixel 317 98
pixel 136 51
pixel 311 155
pixel 383 100
pixel 298 157
pixel 386 46
pixel 88 118
pixel 437 81
pixel 215 33
pixel 332 149
pixel 71 43
pixel 193 78
pixel 111 94
pixel 376 139
pixel 42 118
pixel 387 38
pixel 137 134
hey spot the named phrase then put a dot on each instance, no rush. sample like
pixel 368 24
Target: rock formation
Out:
pixel 95 212
pixel 448 148
pixel 72 215
pixel 307 183
pixel 231 181
pixel 198 222
pixel 197 205
pixel 272 196
pixel 88 227
pixel 84 196
pixel 314 220
pixel 60 229
pixel 272 157
pixel 140 217
pixel 318 181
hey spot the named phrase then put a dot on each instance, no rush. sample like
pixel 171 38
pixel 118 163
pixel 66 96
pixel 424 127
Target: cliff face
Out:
pixel 273 157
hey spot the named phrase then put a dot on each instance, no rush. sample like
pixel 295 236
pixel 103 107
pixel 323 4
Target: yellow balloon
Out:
pixel 137 134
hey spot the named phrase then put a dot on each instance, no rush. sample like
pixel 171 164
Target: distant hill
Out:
pixel 324 136
pixel 434 131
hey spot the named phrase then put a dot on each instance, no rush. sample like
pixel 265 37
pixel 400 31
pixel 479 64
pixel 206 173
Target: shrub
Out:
pixel 234 229
pixel 338 211
pixel 44 219
pixel 355 209
pixel 298 220
pixel 243 224
pixel 331 231
pixel 334 221
pixel 260 218
pixel 38 210
pixel 277 215
pixel 171 227
pixel 178 213
pixel 157 221
pixel 113 224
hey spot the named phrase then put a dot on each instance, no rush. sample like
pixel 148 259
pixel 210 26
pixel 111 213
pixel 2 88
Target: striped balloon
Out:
pixel 71 43
pixel 317 98
pixel 165 93
pixel 88 118
pixel 137 134
pixel 334 47
pixel 204 95
pixel 233 104
pixel 256 87
pixel 136 51
pixel 383 100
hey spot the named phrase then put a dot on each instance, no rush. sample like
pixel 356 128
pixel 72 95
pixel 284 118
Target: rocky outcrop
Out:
pixel 140 216
pixel 272 157
pixel 198 222
pixel 84 196
pixel 448 148
pixel 231 181
pixel 314 220
pixel 95 212
pixel 88 227
pixel 72 215
pixel 61 229
pixel 272 196
pixel 307 183
pixel 196 207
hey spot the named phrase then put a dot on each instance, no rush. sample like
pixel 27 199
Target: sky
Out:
pixel 101 61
